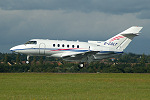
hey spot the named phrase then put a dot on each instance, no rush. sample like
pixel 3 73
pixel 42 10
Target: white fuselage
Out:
pixel 79 51
pixel 61 48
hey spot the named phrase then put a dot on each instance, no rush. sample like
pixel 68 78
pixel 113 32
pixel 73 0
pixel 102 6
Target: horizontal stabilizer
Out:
pixel 134 30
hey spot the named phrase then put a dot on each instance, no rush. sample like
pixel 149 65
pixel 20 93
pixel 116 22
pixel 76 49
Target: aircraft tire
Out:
pixel 81 65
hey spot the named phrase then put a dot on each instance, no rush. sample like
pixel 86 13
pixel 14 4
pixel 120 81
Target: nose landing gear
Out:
pixel 27 62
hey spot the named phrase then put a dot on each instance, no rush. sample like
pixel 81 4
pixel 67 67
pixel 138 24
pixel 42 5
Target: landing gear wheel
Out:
pixel 81 65
pixel 27 62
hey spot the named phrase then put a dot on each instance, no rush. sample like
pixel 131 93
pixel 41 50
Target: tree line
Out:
pixel 126 63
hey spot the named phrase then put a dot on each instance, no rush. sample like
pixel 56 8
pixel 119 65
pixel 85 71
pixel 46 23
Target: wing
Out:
pixel 81 57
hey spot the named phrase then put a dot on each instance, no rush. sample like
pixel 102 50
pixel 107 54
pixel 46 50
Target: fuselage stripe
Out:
pixel 71 49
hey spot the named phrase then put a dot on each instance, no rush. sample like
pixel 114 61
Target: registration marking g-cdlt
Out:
pixel 110 43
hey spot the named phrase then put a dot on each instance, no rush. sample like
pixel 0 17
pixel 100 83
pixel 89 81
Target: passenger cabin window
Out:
pixel 53 45
pixel 67 46
pixel 72 46
pixel 63 45
pixel 58 45
pixel 31 42
pixel 77 46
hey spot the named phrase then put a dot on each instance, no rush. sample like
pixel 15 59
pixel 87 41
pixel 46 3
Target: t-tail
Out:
pixel 122 40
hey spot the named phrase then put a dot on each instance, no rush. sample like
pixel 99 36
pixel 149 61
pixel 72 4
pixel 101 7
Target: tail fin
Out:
pixel 122 40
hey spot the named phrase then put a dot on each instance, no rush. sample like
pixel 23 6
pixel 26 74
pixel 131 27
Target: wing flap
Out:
pixel 68 54
pixel 82 57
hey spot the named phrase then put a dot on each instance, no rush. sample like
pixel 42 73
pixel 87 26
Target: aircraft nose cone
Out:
pixel 12 49
pixel 18 48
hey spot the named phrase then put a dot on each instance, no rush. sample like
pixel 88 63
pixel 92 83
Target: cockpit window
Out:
pixel 31 42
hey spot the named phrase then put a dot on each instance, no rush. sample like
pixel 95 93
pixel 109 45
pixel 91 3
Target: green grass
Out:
pixel 48 86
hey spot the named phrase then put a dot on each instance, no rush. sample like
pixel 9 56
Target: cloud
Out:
pixel 22 20
pixel 106 6
pixel 144 14
pixel 19 26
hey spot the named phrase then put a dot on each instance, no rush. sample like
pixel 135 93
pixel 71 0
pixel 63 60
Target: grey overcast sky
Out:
pixel 83 20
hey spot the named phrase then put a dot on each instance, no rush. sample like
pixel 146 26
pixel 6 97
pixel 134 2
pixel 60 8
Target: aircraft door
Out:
pixel 42 47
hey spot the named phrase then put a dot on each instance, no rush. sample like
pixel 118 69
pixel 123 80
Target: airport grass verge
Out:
pixel 59 86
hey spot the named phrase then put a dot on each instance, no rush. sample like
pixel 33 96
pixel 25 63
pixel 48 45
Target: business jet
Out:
pixel 83 52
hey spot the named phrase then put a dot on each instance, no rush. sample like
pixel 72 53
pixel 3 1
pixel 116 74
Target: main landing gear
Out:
pixel 82 64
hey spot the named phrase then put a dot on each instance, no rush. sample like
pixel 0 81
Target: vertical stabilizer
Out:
pixel 122 40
